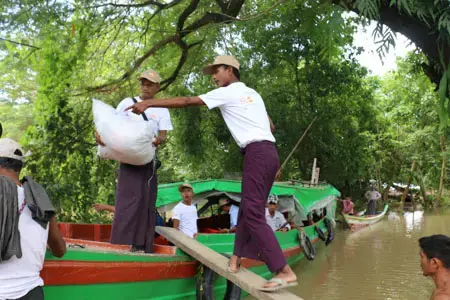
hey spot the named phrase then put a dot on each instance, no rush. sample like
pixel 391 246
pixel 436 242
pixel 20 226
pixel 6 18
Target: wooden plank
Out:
pixel 245 279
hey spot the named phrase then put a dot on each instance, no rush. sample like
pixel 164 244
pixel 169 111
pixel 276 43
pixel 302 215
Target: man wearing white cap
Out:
pixel 274 218
pixel 135 212
pixel 246 117
pixel 27 226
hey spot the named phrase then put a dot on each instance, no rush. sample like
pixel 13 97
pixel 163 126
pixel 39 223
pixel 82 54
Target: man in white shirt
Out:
pixel 25 238
pixel 246 117
pixel 233 210
pixel 135 212
pixel 184 214
pixel 274 218
pixel 372 197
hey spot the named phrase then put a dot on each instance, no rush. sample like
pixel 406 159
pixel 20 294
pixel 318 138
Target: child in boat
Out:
pixel 184 214
pixel 435 262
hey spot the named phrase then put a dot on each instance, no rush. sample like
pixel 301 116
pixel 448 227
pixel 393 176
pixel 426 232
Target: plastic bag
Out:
pixel 127 140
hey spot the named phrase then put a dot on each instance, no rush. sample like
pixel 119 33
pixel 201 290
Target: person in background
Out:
pixel 274 218
pixel 184 214
pixel 233 210
pixel 27 226
pixel 435 262
pixel 372 197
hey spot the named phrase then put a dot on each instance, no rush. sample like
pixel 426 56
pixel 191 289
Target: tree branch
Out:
pixel 184 55
pixel 146 3
pixel 19 43
pixel 227 15
pixel 136 64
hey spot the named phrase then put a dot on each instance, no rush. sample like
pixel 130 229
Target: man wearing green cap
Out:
pixel 135 212
pixel 246 117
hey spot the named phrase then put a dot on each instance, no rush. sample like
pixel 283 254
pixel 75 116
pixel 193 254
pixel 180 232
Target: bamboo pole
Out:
pixel 278 176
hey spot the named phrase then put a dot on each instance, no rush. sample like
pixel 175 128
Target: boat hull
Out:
pixel 356 222
pixel 104 271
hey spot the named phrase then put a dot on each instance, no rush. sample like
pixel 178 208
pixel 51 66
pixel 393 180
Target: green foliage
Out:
pixel 298 56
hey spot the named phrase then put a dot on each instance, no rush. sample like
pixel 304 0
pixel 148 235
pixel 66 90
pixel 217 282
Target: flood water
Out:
pixel 377 262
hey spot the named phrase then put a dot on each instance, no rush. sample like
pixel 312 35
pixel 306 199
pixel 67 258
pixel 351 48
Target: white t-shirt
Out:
pixel 244 112
pixel 234 212
pixel 19 276
pixel 187 215
pixel 158 116
pixel 372 195
pixel 276 221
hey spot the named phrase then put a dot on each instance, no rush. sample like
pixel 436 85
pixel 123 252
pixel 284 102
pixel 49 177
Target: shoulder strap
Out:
pixel 143 114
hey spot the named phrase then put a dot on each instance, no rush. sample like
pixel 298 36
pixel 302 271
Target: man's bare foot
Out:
pixel 285 274
pixel 234 264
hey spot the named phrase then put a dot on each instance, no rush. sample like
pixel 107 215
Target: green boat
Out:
pixel 95 269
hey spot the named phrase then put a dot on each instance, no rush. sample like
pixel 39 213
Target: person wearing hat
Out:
pixel 184 214
pixel 27 226
pixel 134 218
pixel 246 117
pixel 274 218
pixel 233 210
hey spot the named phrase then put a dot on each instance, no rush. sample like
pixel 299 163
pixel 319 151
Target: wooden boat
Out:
pixel 360 220
pixel 95 269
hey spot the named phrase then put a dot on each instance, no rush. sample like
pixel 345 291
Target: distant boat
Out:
pixel 360 220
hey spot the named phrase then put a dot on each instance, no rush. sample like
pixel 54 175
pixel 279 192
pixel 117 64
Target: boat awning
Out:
pixel 308 198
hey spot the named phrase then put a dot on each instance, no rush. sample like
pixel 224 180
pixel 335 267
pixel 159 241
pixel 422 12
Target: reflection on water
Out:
pixel 413 221
pixel 377 262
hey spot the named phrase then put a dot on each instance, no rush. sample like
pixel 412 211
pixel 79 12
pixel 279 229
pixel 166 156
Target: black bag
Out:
pixel 157 162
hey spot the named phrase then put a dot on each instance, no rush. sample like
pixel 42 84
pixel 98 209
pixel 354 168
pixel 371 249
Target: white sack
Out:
pixel 127 140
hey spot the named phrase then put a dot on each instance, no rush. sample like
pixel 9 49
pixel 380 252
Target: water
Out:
pixel 374 263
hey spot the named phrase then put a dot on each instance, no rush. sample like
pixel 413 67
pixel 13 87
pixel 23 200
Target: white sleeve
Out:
pixel 288 226
pixel 269 220
pixel 234 217
pixel 125 103
pixel 176 213
pixel 164 122
pixel 215 98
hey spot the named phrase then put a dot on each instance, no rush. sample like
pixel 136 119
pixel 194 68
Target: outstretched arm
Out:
pixel 179 102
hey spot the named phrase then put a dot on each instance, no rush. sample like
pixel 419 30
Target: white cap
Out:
pixel 11 149
pixel 272 199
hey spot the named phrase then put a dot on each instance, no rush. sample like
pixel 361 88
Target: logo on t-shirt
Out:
pixel 247 99
pixel 154 116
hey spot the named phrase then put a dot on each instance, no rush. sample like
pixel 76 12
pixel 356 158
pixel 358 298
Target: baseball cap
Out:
pixel 151 75
pixel 185 185
pixel 11 149
pixel 221 60
pixel 272 199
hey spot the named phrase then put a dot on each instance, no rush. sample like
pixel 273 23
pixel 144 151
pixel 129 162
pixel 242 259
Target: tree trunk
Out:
pixel 423 191
pixel 443 168
pixel 405 192
pixel 386 192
